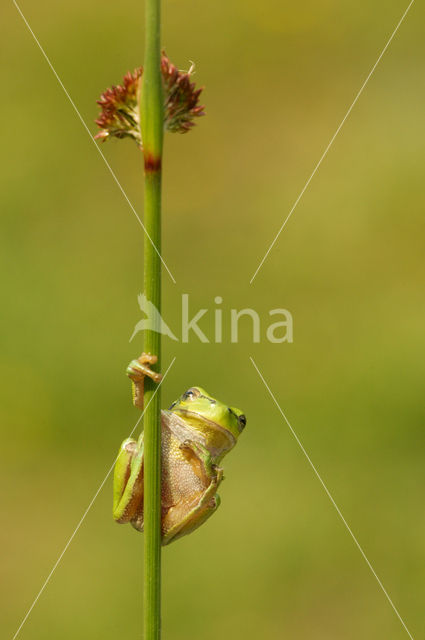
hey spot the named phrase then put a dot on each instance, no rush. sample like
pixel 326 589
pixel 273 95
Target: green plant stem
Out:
pixel 151 114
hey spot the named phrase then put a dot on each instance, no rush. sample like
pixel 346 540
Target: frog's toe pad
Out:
pixel 147 358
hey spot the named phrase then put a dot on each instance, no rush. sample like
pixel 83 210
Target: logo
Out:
pixel 277 327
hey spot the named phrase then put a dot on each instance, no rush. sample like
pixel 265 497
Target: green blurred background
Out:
pixel 275 561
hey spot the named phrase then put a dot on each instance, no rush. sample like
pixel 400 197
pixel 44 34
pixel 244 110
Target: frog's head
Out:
pixel 219 424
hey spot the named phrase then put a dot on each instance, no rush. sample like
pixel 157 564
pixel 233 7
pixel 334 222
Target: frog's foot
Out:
pixel 137 370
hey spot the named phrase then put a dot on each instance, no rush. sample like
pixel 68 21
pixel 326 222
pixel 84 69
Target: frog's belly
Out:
pixel 180 483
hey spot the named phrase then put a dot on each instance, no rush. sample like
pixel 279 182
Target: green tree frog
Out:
pixel 197 431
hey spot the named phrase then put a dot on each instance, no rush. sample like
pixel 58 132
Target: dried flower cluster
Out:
pixel 180 98
pixel 119 116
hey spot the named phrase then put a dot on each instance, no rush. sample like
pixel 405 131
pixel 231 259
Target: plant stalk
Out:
pixel 152 118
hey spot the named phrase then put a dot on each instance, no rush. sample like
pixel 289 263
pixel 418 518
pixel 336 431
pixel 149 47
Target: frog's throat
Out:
pixel 201 420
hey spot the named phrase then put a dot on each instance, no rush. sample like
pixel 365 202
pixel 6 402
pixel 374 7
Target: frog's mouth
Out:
pixel 197 417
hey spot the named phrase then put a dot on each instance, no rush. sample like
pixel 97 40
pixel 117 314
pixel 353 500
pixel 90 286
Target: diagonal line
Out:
pixel 330 497
pixel 102 484
pixel 111 171
pixel 331 141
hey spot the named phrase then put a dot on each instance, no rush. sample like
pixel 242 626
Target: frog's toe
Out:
pixel 147 358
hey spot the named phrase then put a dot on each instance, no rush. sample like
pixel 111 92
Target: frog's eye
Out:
pixel 191 394
pixel 242 422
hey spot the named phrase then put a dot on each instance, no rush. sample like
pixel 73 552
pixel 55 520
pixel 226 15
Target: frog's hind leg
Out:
pixel 203 506
pixel 128 483
pixel 197 516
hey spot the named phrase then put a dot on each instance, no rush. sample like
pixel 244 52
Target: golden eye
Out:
pixel 191 394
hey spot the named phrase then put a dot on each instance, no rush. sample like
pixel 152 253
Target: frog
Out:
pixel 197 431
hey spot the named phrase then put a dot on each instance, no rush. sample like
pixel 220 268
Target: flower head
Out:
pixel 180 98
pixel 119 115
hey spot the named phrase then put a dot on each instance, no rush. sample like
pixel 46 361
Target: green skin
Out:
pixel 197 431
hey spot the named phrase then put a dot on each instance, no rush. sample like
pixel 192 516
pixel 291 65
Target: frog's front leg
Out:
pixel 179 520
pixel 136 371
